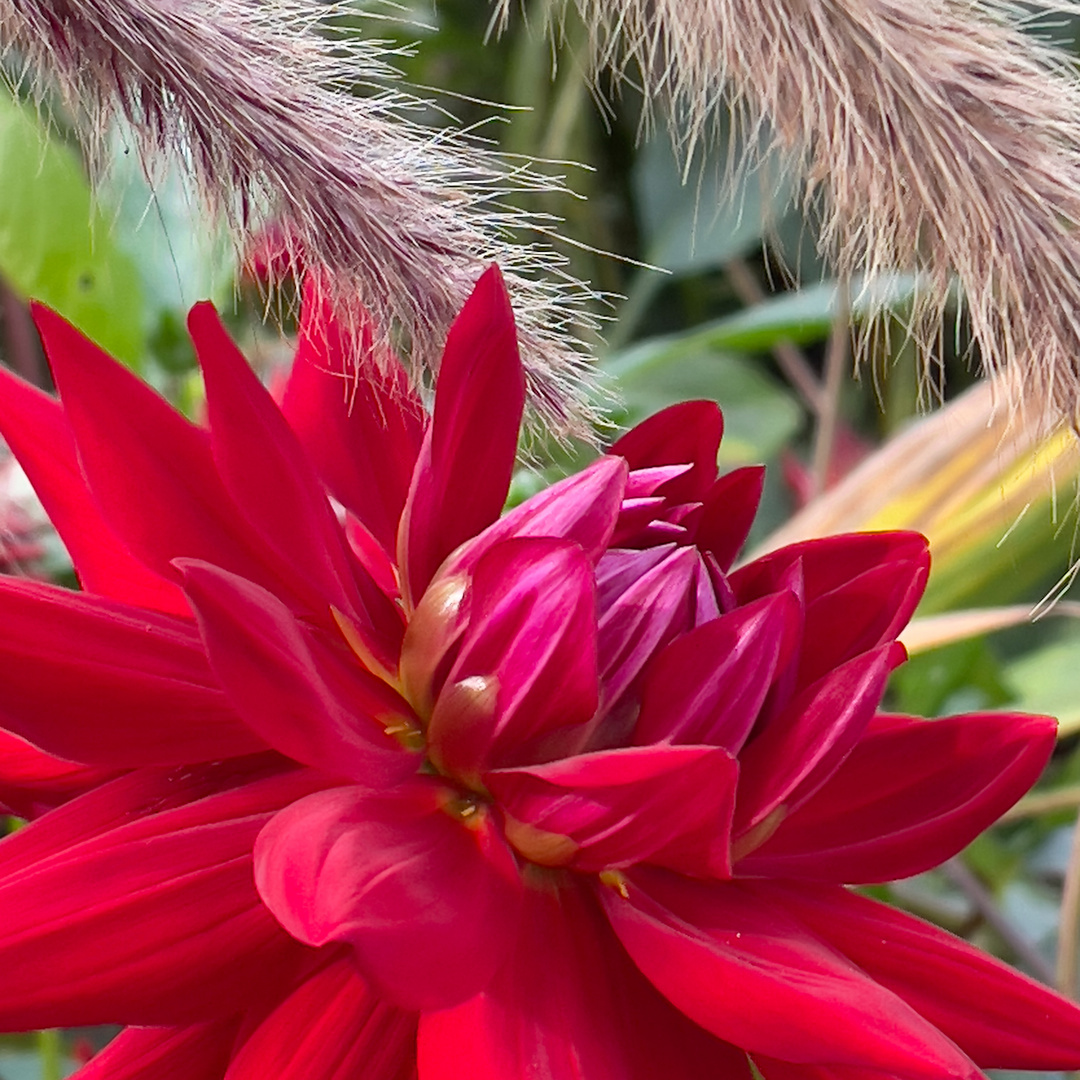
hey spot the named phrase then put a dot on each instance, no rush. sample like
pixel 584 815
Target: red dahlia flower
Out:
pixel 375 782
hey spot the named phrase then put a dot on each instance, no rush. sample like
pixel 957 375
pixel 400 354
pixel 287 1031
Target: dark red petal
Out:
pixel 860 590
pixel 740 966
pixel 332 1027
pixel 524 682
pixel 658 606
pixel 582 508
pixel 774 1069
pixel 151 471
pixel 687 433
pixel 135 902
pixel 709 685
pixel 306 698
pixel 802 746
pixel 427 898
pixel 99 682
pixel 464 469
pixel 910 795
pixel 197 1052
pixel 355 414
pixel 569 1005
pixel 1000 1018
pixel 668 805
pixel 263 466
pixel 728 513
pixel 32 781
pixel 36 430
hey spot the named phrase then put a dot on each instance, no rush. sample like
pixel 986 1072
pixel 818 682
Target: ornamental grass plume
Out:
pixel 935 137
pixel 377 782
pixel 252 99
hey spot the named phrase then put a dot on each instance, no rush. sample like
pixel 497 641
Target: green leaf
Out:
pixel 1047 680
pixel 55 242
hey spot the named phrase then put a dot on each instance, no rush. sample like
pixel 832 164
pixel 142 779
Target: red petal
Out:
pixel 860 591
pixel 689 432
pixel 1002 1019
pixel 668 805
pixel 709 685
pixel 569 1005
pixel 428 899
pixel 467 459
pixel 361 427
pixel 306 699
pixel 151 472
pixel 800 748
pixel 38 434
pixel 135 903
pixel 911 794
pixel 264 468
pixel 332 1027
pixel 32 781
pixel 582 508
pixel 653 610
pixel 728 514
pixel 524 682
pixel 95 681
pixel 198 1052
pixel 737 964
pixel 773 1069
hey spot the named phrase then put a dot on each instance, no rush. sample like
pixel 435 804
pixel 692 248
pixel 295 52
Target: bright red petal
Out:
pixel 524 683
pixel 465 465
pixel 306 698
pixel 135 902
pixel 910 795
pixel 427 898
pixel 668 805
pixel 687 433
pixel 1000 1018
pixel 569 1005
pixel 729 510
pixel 99 682
pixel 32 781
pixel 198 1052
pixel 332 1027
pixel 801 747
pixel 745 970
pixel 708 686
pixel 263 466
pixel 36 430
pixel 355 414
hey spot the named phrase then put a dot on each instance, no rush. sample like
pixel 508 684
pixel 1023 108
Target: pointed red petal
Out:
pixel 151 472
pixel 1000 1018
pixel 32 781
pixel 728 513
pixel 198 1052
pixel 800 748
pixel 911 794
pixel 524 682
pixel 36 430
pixel 428 899
pixel 465 465
pixel 99 682
pixel 860 591
pixel 736 963
pixel 355 414
pixel 265 470
pixel 709 685
pixel 668 805
pixel 332 1027
pixel 135 903
pixel 306 698
pixel 569 1005
pixel 687 433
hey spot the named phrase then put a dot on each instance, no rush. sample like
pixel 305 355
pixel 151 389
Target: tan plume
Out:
pixel 935 136
pixel 249 96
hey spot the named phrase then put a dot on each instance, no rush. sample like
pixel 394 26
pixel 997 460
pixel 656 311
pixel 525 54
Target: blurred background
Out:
pixel 707 296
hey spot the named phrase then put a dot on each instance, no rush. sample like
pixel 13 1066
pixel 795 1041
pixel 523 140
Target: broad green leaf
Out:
pixel 56 244
pixel 1047 680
